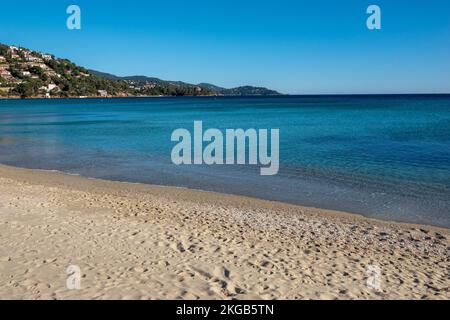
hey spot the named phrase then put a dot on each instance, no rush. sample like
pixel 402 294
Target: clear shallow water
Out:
pixel 385 157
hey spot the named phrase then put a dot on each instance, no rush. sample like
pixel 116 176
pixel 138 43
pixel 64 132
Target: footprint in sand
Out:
pixel 219 281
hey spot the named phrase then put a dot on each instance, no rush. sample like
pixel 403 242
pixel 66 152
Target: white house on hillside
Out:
pixel 5 73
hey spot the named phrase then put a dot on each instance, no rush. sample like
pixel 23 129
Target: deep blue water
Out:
pixel 385 157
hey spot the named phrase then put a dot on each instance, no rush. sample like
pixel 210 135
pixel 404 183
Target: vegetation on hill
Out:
pixel 242 91
pixel 25 73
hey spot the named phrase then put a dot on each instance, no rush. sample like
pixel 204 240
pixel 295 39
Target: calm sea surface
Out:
pixel 385 157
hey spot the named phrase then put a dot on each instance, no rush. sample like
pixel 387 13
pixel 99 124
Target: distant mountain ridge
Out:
pixel 25 73
pixel 238 91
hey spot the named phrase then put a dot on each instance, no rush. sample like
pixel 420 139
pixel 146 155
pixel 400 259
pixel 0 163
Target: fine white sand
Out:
pixel 146 242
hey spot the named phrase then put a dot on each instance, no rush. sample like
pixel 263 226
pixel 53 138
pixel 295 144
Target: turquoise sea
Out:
pixel 385 157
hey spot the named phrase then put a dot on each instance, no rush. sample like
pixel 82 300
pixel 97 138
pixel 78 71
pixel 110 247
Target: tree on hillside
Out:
pixel 28 89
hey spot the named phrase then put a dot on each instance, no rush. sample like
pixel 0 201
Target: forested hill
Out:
pixel 205 87
pixel 26 73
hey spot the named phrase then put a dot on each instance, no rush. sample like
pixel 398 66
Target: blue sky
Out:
pixel 298 47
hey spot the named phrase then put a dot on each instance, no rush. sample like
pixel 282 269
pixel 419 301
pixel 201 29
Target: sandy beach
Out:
pixel 134 241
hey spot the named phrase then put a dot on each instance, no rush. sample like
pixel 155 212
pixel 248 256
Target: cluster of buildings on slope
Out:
pixel 25 63
pixel 5 76
pixel 24 60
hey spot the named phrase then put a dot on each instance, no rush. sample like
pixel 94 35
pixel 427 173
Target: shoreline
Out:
pixel 136 241
pixel 27 172
pixel 236 96
pixel 144 97
pixel 98 97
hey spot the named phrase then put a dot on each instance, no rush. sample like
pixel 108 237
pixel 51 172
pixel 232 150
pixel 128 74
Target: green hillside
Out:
pixel 29 74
